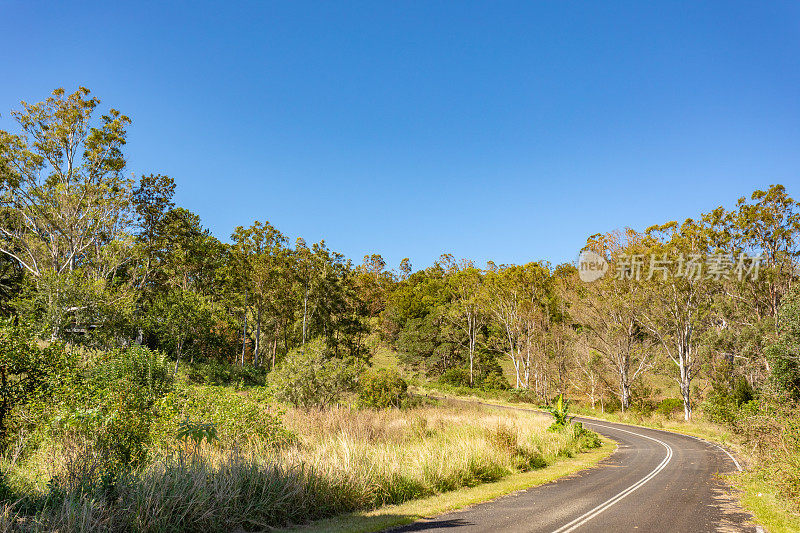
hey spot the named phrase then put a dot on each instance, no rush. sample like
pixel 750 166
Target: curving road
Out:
pixel 656 481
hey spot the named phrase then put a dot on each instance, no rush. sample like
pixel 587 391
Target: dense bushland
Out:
pixel 126 323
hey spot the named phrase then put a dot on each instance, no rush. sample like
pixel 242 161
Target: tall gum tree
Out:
pixel 675 307
pixel 609 309
pixel 66 206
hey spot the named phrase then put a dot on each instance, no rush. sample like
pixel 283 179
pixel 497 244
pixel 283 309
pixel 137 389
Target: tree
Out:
pixel 152 201
pixel 11 278
pixel 466 310
pixel 785 353
pixel 770 224
pixel 405 268
pixel 610 310
pixel 65 204
pixel 313 376
pixel 516 298
pixel 261 249
pixel 675 309
pixel 180 316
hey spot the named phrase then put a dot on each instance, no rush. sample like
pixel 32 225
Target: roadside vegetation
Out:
pixel 115 442
pixel 152 375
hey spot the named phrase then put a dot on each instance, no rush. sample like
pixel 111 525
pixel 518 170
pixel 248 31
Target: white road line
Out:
pixel 738 466
pixel 578 522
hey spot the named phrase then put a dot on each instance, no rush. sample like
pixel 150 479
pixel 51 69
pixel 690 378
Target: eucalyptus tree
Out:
pixel 769 225
pixel 373 283
pixel 760 237
pixel 262 249
pixel 152 201
pixel 515 297
pixel 610 310
pixel 66 205
pixel 676 307
pixel 466 309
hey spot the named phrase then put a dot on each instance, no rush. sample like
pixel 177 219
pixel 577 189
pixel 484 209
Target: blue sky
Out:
pixel 492 130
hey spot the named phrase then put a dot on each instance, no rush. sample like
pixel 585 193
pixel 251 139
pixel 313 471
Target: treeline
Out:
pixel 95 257
pixel 707 302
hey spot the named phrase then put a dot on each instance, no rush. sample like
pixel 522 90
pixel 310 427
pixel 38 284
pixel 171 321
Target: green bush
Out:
pixel 29 375
pixel 314 377
pixel 521 396
pixel 113 403
pixel 784 355
pixel 495 381
pixel 670 406
pixel 456 377
pixel 382 388
pixel 238 416
pixel 215 373
pixel 560 411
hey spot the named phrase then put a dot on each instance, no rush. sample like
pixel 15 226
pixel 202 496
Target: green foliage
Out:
pixel 239 416
pixel 195 433
pixel 114 403
pixel 724 409
pixel 29 374
pixel 495 381
pixel 521 396
pixel 314 377
pixel 670 406
pixel 216 373
pixel 382 388
pixel 560 411
pixel 586 438
pixel 423 344
pixel 456 377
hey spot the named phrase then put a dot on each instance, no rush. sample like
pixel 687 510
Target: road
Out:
pixel 656 481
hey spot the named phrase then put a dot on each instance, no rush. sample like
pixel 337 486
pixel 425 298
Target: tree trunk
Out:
pixel 4 404
pixel 274 349
pixel 471 329
pixel 305 311
pixel 685 390
pixel 178 356
pixel 258 336
pixel 244 329
pixel 626 395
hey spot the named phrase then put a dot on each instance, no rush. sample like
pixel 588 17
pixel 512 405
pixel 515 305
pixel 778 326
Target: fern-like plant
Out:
pixel 560 412
pixel 195 433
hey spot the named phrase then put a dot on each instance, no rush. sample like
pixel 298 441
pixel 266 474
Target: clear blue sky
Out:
pixel 491 130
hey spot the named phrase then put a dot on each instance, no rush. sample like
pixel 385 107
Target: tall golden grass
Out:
pixel 343 460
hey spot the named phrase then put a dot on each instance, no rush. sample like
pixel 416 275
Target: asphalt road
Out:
pixel 656 481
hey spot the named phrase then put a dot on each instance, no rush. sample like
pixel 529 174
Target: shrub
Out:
pixel 313 377
pixel 521 396
pixel 112 406
pixel 215 373
pixel 670 406
pixel 238 416
pixel 495 381
pixel 560 411
pixel 29 374
pixel 382 388
pixel 784 355
pixel 457 377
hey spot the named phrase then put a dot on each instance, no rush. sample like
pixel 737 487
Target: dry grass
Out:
pixel 343 460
